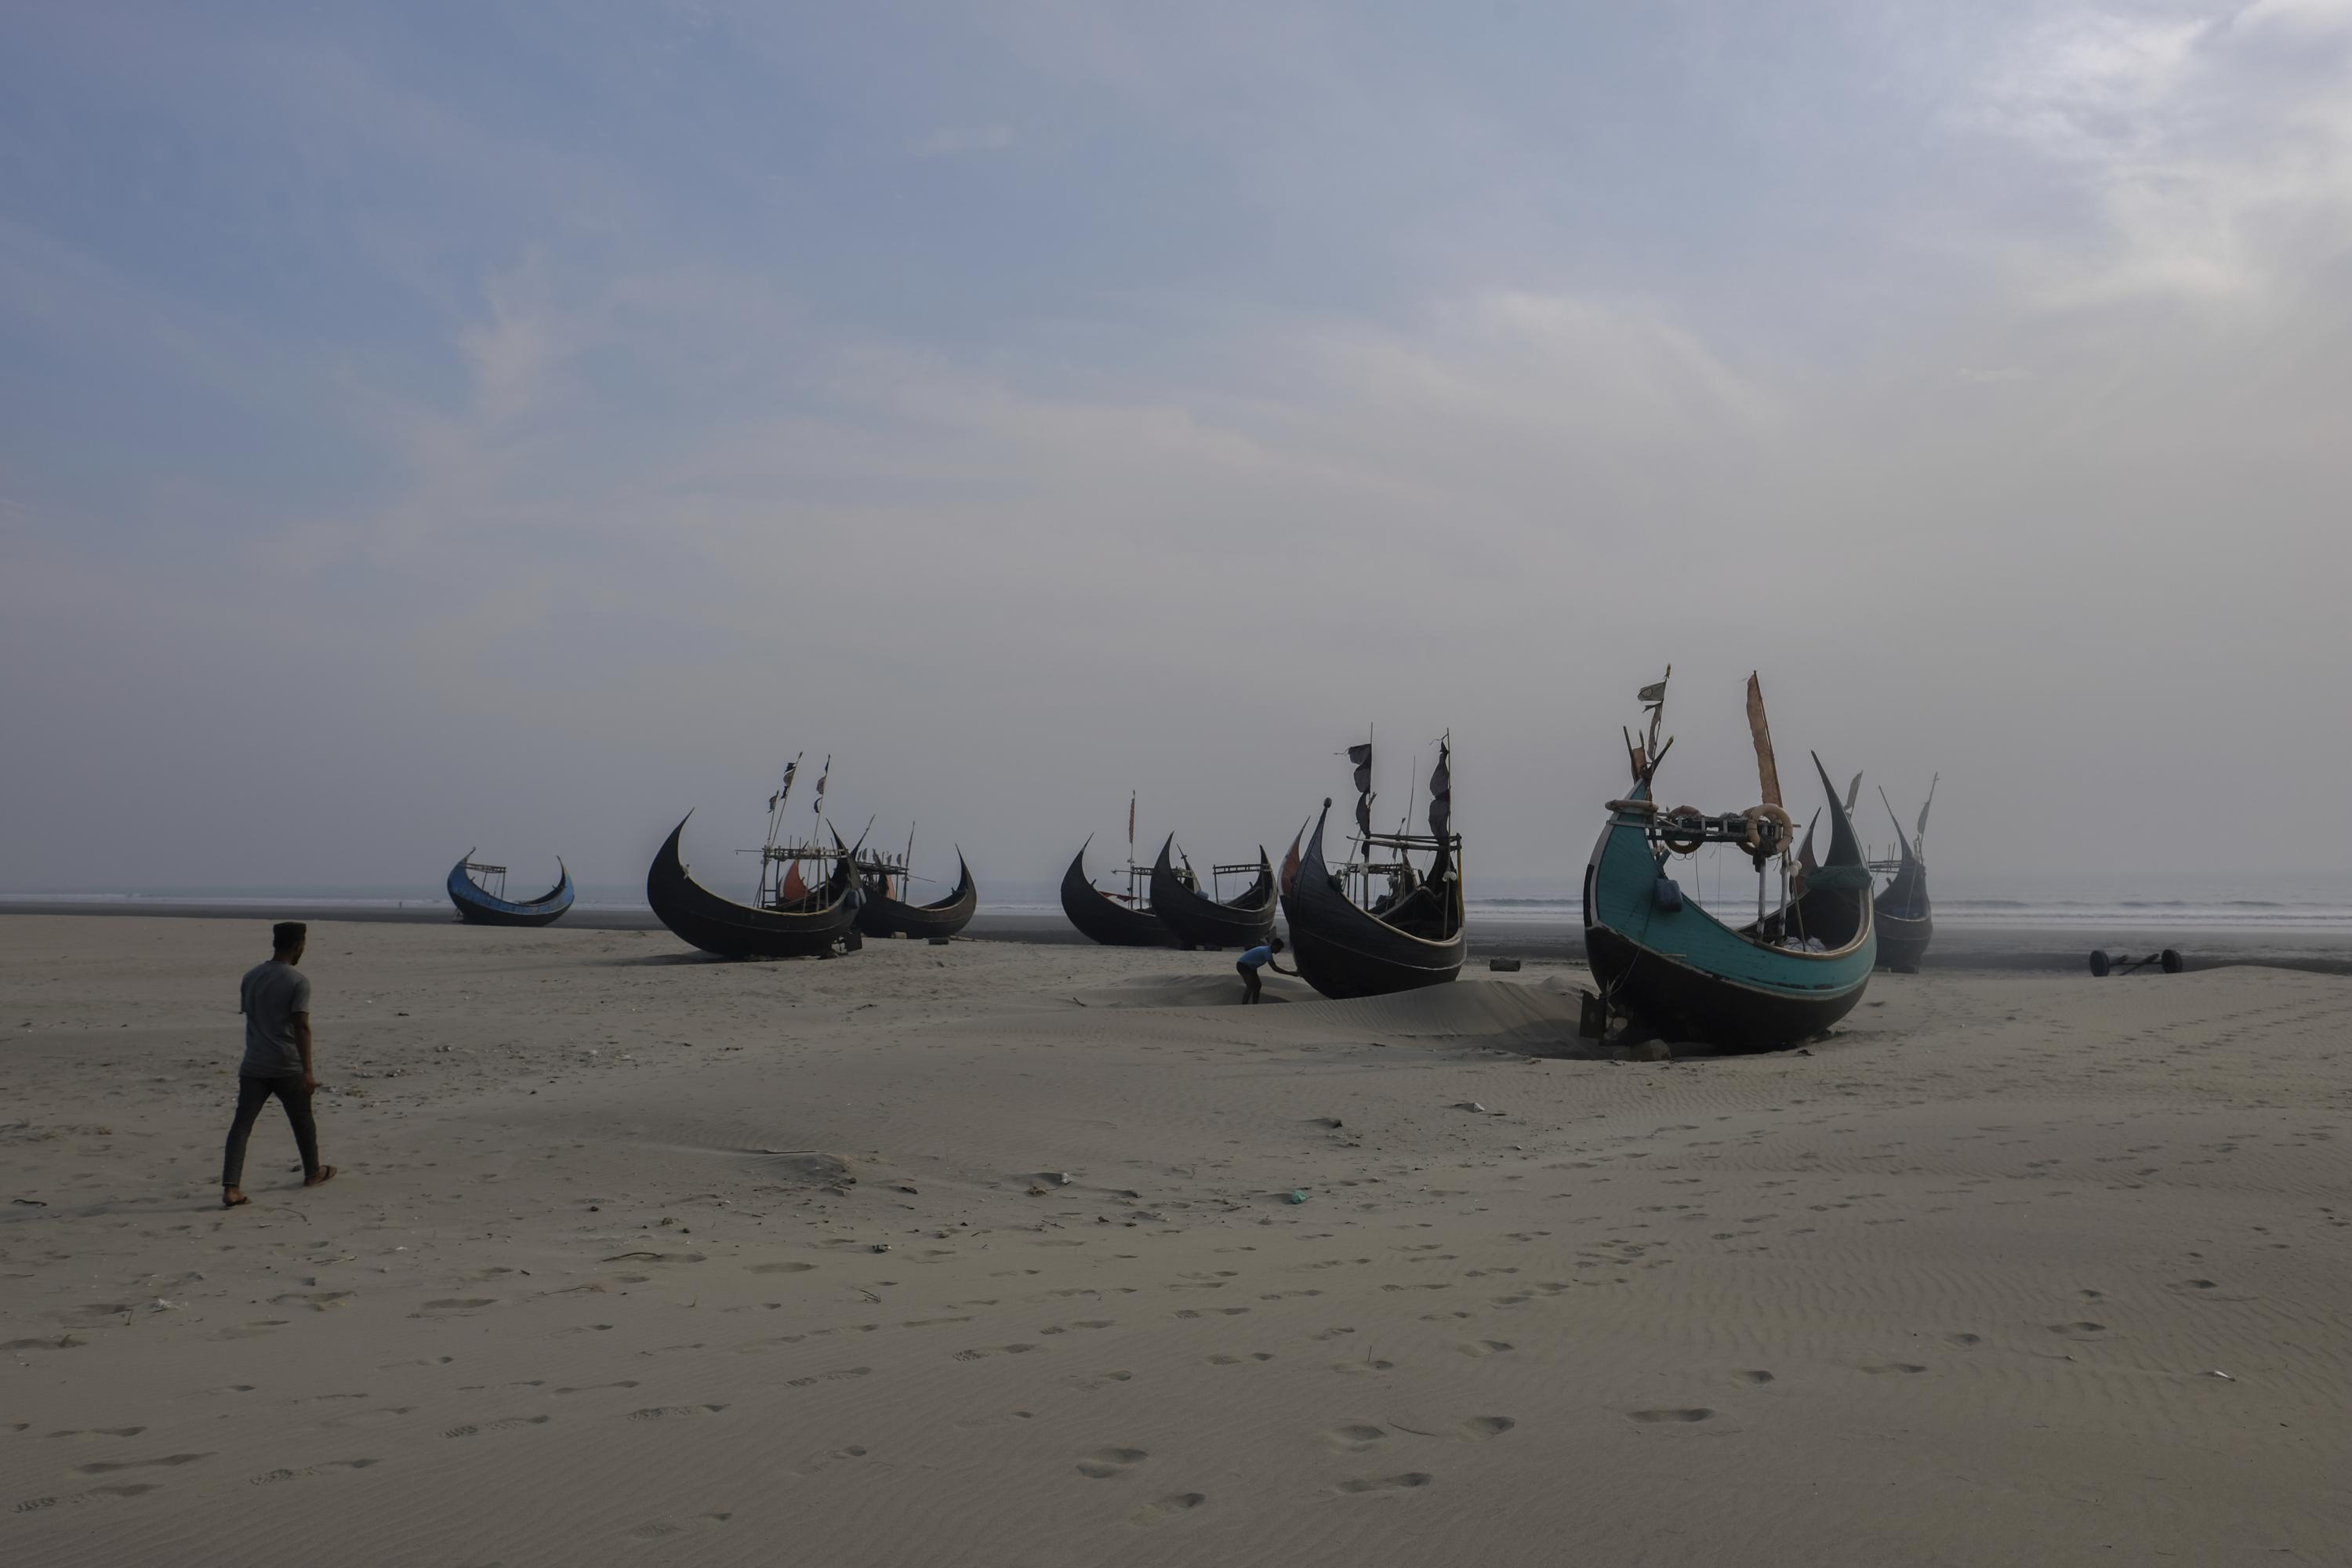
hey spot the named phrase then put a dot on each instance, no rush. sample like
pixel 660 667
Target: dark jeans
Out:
pixel 252 1094
pixel 1251 983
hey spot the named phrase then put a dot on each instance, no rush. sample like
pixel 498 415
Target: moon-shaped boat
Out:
pixel 1343 950
pixel 1199 921
pixel 1662 960
pixel 478 906
pixel 730 930
pixel 1104 919
pixel 878 914
pixel 1906 920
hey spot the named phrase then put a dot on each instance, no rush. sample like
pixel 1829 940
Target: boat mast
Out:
pixel 767 857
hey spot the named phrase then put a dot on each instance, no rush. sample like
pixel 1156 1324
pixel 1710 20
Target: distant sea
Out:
pixel 2253 904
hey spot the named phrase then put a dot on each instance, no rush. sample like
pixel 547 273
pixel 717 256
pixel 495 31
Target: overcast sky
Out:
pixel 432 425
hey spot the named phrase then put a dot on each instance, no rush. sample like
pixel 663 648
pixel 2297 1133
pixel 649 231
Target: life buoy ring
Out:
pixel 1753 839
pixel 1684 843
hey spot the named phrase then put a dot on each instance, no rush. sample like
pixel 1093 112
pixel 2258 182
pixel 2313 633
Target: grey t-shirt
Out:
pixel 269 995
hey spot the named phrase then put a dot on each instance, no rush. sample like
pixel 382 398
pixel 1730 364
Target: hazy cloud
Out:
pixel 956 139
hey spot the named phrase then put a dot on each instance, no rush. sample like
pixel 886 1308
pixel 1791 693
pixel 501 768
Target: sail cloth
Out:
pixel 820 783
pixel 1290 862
pixel 1767 773
pixel 794 889
pixel 1440 795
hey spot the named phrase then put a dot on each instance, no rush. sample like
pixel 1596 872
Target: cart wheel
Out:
pixel 2100 963
pixel 2172 961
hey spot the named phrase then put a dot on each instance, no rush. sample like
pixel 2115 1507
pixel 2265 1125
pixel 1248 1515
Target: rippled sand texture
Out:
pixel 984 1255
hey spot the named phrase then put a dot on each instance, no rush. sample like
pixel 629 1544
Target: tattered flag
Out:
pixel 1440 794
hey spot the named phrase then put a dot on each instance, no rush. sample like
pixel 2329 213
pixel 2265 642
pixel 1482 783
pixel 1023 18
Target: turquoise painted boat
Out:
pixel 1668 966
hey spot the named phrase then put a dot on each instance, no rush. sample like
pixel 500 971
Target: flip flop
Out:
pixel 326 1174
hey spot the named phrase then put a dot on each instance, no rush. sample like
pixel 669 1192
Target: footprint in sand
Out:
pixel 1752 1375
pixel 664 1528
pixel 1964 1340
pixel 99 1432
pixel 593 1387
pixel 664 1412
pixel 1107 1464
pixel 782 1268
pixel 1355 1438
pixel 95 1494
pixel 1478 1428
pixel 369 1417
pixel 816 1462
pixel 309 1471
pixel 1240 1360
pixel 1485 1347
pixel 1101 1380
pixel 1212 1311
pixel 1405 1482
pixel 827 1376
pixel 460 1304
pixel 509 1423
pixel 1362 1366
pixel 2078 1330
pixel 248 1331
pixel 1687 1414
pixel 108 1466
pixel 987 1350
pixel 1168 1507
pixel 1906 1367
pixel 317 1300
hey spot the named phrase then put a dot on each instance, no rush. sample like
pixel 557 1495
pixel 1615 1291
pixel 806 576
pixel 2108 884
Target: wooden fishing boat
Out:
pixel 1672 970
pixel 810 926
pixel 792 918
pixel 881 911
pixel 1409 935
pixel 1107 917
pixel 1906 918
pixel 479 904
pixel 1201 919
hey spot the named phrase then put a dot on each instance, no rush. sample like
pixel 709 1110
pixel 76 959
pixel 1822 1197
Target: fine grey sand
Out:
pixel 638 1259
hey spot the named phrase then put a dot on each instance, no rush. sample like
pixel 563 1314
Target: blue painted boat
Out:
pixel 476 905
pixel 1669 966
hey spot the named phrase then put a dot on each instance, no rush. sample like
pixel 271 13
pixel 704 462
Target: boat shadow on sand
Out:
pixel 1523 1019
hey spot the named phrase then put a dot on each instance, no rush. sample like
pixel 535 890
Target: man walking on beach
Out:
pixel 1250 962
pixel 275 998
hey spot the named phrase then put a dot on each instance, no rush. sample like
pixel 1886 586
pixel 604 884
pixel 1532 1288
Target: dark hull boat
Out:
pixel 878 914
pixel 1343 950
pixel 1199 921
pixel 1103 918
pixel 810 927
pixel 1906 920
pixel 1671 967
pixel 478 906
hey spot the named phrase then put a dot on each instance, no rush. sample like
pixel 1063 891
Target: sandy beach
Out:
pixel 987 1255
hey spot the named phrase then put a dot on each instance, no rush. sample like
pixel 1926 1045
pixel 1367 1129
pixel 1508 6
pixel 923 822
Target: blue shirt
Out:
pixel 1259 955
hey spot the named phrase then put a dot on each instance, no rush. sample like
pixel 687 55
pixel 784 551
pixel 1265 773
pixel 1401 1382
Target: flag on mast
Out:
pixel 827 773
